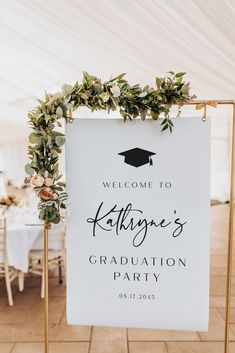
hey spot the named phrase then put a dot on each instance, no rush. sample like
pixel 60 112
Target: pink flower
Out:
pixel 37 180
pixel 55 196
pixel 48 181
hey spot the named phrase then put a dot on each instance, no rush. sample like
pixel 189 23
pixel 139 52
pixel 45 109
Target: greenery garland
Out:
pixel 115 94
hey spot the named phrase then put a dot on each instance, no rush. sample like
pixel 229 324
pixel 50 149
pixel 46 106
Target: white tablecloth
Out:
pixel 20 240
pixel 23 238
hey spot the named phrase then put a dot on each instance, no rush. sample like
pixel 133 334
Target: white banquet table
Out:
pixel 25 233
pixel 20 240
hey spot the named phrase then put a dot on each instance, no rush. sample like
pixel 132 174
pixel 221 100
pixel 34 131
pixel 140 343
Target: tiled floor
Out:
pixel 21 327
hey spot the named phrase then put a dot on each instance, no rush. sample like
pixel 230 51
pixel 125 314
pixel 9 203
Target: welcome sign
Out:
pixel 138 231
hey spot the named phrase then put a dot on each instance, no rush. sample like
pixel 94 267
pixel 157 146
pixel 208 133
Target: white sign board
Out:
pixel 138 231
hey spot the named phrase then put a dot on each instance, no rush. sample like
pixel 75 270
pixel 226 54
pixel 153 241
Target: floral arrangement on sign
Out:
pixel 115 94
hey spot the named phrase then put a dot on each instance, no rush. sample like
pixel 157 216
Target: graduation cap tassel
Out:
pixel 150 161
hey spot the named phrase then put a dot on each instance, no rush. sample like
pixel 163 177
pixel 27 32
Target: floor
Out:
pixel 21 326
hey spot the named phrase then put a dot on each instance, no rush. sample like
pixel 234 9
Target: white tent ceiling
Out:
pixel 45 43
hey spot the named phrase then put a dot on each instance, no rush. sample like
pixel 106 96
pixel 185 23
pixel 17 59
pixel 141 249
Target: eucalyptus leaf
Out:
pixel 57 95
pixel 67 89
pixel 143 94
pixel 143 114
pixel 59 112
pixel 154 115
pixel 60 140
pixel 57 133
pixel 35 138
pixel 69 106
pixel 56 220
pixel 117 78
pixel 52 216
pixel 180 74
pixel 47 118
pixel 29 170
pixel 98 88
pixel 83 95
pixel 42 214
pixel 158 82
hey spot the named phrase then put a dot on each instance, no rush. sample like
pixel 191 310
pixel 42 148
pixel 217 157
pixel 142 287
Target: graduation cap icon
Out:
pixel 137 157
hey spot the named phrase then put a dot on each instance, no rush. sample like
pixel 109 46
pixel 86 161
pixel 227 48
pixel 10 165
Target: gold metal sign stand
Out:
pixel 46 299
pixel 200 104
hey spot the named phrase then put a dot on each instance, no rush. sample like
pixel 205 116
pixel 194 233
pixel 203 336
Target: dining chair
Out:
pixel 56 254
pixel 9 272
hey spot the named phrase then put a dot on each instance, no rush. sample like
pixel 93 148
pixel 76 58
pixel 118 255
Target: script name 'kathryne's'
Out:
pixel 129 218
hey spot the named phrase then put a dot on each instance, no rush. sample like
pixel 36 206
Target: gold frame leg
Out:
pixel 230 240
pixel 45 270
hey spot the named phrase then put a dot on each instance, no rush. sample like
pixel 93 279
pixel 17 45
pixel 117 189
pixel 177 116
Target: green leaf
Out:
pixel 119 77
pixel 185 89
pixel 143 114
pixel 60 140
pixel 47 118
pixel 98 88
pixel 35 138
pixel 46 95
pixel 59 112
pixel 56 167
pixel 83 96
pixel 29 170
pixel 143 94
pixel 57 95
pixel 158 82
pixel 87 78
pixel 67 89
pixel 164 121
pixel 58 188
pixel 56 220
pixel 76 85
pixel 57 133
pixel 154 115
pixel 165 127
pixel 41 102
pixel 52 216
pixel 42 214
pixel 180 74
